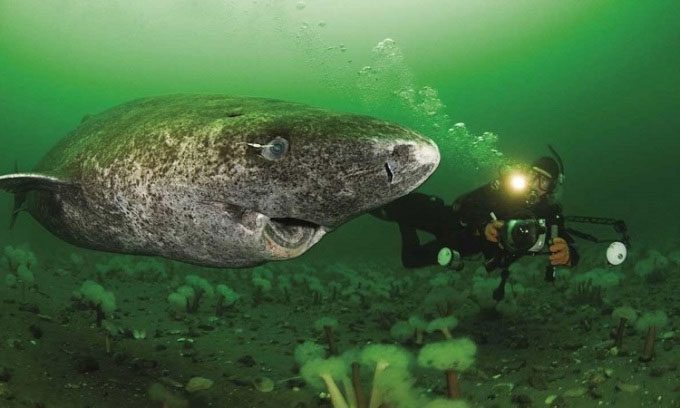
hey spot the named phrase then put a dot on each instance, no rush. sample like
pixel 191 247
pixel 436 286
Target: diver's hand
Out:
pixel 492 230
pixel 560 252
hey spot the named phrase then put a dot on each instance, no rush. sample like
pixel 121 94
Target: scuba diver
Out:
pixel 488 221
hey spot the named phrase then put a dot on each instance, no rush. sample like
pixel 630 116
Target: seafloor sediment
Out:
pixel 551 345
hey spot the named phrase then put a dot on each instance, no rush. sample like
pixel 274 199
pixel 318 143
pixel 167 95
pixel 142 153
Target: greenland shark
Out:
pixel 216 180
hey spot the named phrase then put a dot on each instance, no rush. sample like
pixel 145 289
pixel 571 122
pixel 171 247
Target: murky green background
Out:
pixel 600 80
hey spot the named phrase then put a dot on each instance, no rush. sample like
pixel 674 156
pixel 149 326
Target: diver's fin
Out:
pixel 23 182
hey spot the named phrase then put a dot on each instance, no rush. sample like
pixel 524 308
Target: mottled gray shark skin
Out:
pixel 216 180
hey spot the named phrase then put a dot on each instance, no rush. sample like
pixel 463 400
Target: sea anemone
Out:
pixel 650 322
pixel 419 325
pixel 450 356
pixel 103 302
pixel 444 325
pixel 225 298
pixel 382 356
pixel 623 315
pixel 326 371
pixel 326 325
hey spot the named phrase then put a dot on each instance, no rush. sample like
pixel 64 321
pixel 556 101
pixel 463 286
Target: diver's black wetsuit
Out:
pixel 460 226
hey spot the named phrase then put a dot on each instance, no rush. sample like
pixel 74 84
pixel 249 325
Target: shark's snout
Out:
pixel 410 162
pixel 427 154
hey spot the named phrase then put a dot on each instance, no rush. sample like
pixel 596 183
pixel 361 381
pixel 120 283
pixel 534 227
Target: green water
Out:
pixel 598 80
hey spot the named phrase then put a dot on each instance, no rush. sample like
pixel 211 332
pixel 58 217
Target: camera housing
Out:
pixel 526 235
pixel 533 236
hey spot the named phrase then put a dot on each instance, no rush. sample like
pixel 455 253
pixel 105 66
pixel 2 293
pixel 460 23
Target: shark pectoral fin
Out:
pixel 17 209
pixel 21 183
pixel 24 182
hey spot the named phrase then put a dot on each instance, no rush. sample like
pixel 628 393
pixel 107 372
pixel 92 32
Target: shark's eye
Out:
pixel 276 149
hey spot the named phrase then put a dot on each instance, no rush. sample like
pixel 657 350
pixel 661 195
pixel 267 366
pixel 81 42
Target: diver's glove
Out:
pixel 560 254
pixel 492 231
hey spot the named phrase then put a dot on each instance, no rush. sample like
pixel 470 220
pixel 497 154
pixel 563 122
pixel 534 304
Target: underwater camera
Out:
pixel 533 236
pixel 524 235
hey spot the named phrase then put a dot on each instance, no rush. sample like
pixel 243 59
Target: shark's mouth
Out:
pixel 290 237
pixel 283 237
